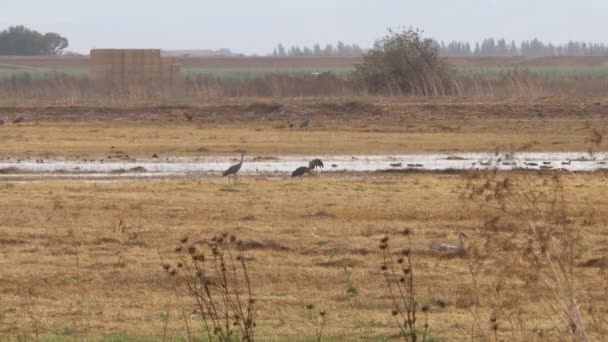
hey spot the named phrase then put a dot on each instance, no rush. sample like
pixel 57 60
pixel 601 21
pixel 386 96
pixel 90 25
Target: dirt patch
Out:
pixel 137 169
pixel 341 263
pixel 266 245
pixel 264 108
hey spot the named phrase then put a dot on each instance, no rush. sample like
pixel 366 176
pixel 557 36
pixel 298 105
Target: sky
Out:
pixel 257 26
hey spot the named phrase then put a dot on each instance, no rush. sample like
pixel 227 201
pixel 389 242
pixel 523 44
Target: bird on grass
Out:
pixel 188 116
pixel 302 170
pixel 234 169
pixel 316 163
pixel 18 119
pixel 2 122
pixel 450 249
pixel 305 124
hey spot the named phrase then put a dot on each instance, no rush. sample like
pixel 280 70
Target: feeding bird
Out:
pixel 449 249
pixel 302 170
pixel 305 123
pixel 18 119
pixel 234 169
pixel 316 163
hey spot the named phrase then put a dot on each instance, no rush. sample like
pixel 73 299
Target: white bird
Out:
pixel 447 248
pixel 18 119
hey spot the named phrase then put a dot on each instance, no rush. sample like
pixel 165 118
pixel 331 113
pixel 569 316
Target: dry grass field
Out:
pixel 83 259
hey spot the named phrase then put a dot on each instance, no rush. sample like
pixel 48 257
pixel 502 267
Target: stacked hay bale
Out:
pixel 133 67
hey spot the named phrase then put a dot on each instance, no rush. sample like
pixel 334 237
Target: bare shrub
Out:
pixel 218 285
pixel 399 277
pixel 530 236
pixel 405 63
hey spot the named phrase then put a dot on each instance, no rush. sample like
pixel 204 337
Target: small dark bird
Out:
pixel 188 116
pixel 316 163
pixel 18 119
pixel 154 155
pixel 302 170
pixel 305 124
pixel 234 169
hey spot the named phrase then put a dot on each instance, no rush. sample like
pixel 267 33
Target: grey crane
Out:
pixel 302 170
pixel 18 119
pixel 234 169
pixel 449 249
pixel 316 163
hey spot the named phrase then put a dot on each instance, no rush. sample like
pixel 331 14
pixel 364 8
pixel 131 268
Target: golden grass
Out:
pixel 142 139
pixel 83 255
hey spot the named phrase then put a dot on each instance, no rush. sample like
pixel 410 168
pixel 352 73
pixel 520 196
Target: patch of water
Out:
pixel 182 166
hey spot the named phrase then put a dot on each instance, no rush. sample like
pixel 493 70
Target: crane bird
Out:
pixel 234 169
pixel 302 170
pixel 449 249
pixel 316 163
pixel 18 119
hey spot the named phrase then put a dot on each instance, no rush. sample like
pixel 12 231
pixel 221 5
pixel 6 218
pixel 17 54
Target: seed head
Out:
pixel 166 267
pixel 405 252
pixel 383 246
pixel 383 267
pixel 232 238
pixel 406 270
pixel 384 239
pixel 400 260
pixel 173 272
pixel 192 249
pixel 425 308
pixel 322 313
pixel 184 240
pixel 178 249
pixel 180 265
pixel 405 231
pixel 394 312
pixel 310 306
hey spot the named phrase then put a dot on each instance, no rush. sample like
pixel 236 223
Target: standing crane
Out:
pixel 316 163
pixel 234 169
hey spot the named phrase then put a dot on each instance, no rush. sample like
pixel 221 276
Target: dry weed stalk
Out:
pixel 220 286
pixel 399 278
pixel 320 322
pixel 528 213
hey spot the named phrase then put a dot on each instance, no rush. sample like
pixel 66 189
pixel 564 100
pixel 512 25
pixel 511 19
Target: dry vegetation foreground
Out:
pixel 336 126
pixel 83 259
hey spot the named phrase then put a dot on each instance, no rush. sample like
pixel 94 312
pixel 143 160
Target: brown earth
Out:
pixel 262 127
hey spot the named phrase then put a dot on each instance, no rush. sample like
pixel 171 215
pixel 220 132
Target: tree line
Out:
pixel 339 49
pixel 532 48
pixel 22 41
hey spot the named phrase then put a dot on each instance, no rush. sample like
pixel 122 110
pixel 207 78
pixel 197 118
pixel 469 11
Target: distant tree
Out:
pixel 316 49
pixel 281 50
pixel 19 40
pixel 404 62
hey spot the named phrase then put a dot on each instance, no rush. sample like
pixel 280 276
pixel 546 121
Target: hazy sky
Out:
pixel 256 26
